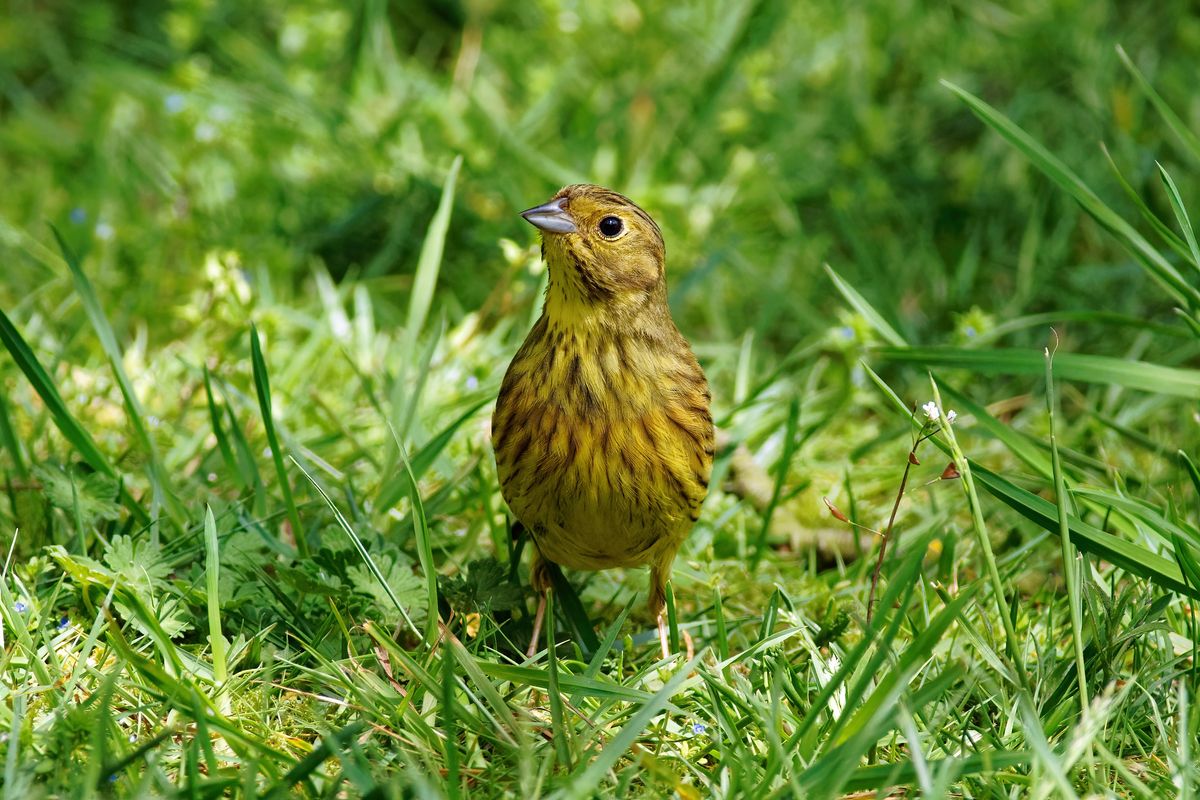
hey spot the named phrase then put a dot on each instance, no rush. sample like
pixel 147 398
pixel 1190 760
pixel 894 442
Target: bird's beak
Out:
pixel 550 217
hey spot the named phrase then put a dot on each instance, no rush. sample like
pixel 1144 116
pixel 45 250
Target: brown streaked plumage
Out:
pixel 602 430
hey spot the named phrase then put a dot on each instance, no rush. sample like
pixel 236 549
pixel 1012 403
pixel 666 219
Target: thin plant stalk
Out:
pixel 985 544
pixel 1069 557
pixel 887 533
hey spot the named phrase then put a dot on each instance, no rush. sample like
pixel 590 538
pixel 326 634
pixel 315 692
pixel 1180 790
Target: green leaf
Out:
pixel 483 586
pixel 403 585
pixel 92 494
pixel 139 564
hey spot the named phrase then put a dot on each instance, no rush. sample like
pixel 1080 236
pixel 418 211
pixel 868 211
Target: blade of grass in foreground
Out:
pixel 585 783
pixel 1140 375
pixel 212 588
pixel 70 428
pixel 1127 555
pixel 362 550
pixel 262 386
pixel 400 484
pixel 424 547
pixel 1070 562
pixel 869 312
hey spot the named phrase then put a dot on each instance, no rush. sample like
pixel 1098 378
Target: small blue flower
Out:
pixel 20 607
pixel 63 623
pixel 472 383
pixel 174 103
pixel 846 332
pixel 970 332
pixel 78 215
pixel 699 728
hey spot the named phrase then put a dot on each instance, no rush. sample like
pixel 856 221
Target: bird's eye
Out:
pixel 611 226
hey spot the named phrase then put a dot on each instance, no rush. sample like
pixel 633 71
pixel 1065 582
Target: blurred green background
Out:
pixel 767 138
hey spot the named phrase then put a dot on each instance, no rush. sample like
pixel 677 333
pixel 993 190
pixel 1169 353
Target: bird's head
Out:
pixel 603 252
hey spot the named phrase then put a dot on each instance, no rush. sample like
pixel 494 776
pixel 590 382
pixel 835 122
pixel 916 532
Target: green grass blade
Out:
pixel 1070 563
pixel 9 441
pixel 584 784
pixel 1017 443
pixel 879 777
pixel 362 550
pixel 214 419
pixel 1192 472
pixel 212 575
pixel 262 386
pixel 573 684
pixel 424 546
pixel 573 611
pixel 430 261
pixel 70 428
pixel 868 312
pixel 893 680
pixel 1131 557
pixel 1181 215
pixel 1140 375
pixel 1164 231
pixel 1188 563
pixel 13 756
pixel 781 475
pixel 560 732
pixel 420 370
pixel 450 726
pixel 400 484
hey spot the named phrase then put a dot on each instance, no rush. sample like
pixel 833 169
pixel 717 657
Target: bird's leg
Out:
pixel 537 626
pixel 658 600
pixel 539 579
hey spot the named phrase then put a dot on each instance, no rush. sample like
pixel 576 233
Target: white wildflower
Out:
pixel 931 411
pixel 951 416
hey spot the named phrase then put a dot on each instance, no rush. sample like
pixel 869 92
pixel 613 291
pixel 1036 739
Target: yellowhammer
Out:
pixel 602 430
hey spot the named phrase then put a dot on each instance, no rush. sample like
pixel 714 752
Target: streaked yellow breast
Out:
pixel 604 442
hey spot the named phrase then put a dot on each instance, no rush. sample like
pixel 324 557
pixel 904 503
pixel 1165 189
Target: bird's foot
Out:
pixel 538 617
pixel 665 643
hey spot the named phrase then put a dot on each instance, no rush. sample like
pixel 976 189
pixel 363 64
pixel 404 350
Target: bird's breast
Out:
pixel 603 444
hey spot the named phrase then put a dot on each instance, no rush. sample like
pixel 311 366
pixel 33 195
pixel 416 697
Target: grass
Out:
pixel 257 544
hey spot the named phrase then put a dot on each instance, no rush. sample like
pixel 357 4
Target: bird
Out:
pixel 602 430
